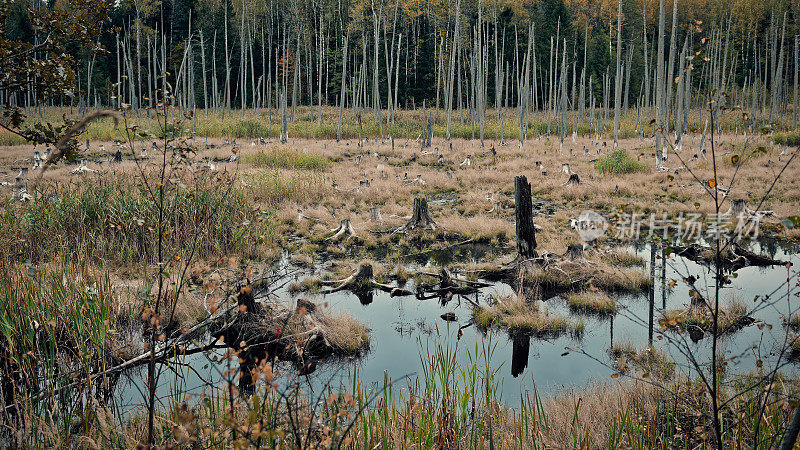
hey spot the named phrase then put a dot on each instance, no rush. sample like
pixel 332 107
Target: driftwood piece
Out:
pixel 447 287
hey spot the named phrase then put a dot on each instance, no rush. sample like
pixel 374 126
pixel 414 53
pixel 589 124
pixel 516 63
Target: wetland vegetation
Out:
pixel 463 224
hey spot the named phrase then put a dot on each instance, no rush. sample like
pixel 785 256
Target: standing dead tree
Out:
pixel 526 233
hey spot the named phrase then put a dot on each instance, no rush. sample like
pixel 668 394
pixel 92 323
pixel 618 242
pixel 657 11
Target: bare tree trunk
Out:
pixel 795 111
pixel 660 78
pixel 526 233
pixel 618 77
pixel 344 85
pixel 451 70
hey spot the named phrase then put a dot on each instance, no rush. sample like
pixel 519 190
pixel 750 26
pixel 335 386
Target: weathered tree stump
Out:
pixel 375 214
pixel 363 281
pixel 574 251
pixel 246 300
pixel 526 233
pixel 345 227
pixel 737 207
pixel 420 217
pixel 565 169
pixel 573 179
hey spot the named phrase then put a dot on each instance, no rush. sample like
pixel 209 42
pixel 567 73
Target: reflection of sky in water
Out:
pixel 402 327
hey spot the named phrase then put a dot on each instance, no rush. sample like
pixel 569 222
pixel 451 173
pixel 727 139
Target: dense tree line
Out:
pixel 462 57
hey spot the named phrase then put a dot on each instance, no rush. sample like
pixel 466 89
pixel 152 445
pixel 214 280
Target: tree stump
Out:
pixel 737 208
pixel 375 214
pixel 345 227
pixel 573 179
pixel 574 251
pixel 246 301
pixel 526 233
pixel 420 217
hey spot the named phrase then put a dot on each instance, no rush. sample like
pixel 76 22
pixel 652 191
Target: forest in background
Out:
pixel 466 56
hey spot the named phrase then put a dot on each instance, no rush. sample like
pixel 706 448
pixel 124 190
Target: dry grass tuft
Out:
pixel 649 360
pixel 515 314
pixel 597 302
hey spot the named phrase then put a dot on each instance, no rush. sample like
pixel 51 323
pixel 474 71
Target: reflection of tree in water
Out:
pixel 521 346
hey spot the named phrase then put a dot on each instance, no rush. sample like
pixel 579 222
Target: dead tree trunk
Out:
pixel 526 233
pixel 420 218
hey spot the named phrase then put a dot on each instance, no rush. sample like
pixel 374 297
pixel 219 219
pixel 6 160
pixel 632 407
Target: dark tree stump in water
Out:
pixel 526 233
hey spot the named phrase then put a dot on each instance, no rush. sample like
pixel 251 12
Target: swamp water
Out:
pixel 403 330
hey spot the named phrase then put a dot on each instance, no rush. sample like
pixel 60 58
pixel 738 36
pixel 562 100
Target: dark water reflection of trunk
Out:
pixel 521 343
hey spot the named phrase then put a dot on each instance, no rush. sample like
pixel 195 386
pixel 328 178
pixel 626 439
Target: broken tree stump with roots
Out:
pixel 362 280
pixel 420 217
pixel 345 227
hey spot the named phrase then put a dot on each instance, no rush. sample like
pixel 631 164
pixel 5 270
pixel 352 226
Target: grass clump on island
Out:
pixel 619 162
pixel 649 360
pixel 732 316
pixel 622 258
pixel 594 302
pixel 569 275
pixel 515 314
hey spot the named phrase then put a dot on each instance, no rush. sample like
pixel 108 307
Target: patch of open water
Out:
pixel 402 328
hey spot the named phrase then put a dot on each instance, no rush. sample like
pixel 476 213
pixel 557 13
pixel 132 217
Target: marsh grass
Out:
pixel 273 187
pixel 570 275
pixel 284 158
pixel 619 162
pixel 116 220
pixel 53 321
pixel 622 258
pixel 408 124
pixel 516 315
pixel 790 138
pixel 732 315
pixel 650 361
pixel 593 302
